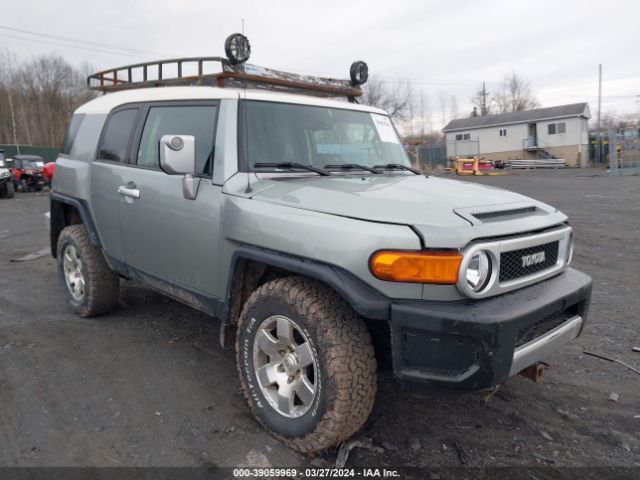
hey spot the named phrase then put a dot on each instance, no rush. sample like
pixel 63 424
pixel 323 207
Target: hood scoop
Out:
pixel 498 215
pixel 503 212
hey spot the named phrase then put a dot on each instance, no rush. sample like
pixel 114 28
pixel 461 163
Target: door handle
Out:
pixel 129 190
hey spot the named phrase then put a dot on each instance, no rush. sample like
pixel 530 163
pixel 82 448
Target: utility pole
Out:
pixel 598 137
pixel 13 121
pixel 484 110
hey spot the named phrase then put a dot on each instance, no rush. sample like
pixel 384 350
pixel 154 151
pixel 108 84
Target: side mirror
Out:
pixel 178 154
pixel 178 157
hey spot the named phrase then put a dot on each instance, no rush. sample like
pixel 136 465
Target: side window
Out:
pixel 72 131
pixel 115 139
pixel 562 127
pixel 198 121
pixel 551 128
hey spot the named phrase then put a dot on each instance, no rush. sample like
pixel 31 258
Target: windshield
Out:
pixel 317 136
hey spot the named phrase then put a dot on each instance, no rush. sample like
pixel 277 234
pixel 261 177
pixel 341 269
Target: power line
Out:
pixel 74 46
pixel 108 46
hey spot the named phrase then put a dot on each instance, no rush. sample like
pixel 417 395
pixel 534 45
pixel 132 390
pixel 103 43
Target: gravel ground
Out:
pixel 149 385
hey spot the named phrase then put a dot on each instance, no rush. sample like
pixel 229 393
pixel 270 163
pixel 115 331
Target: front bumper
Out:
pixel 475 344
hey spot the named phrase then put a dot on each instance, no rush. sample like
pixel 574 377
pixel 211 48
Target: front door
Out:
pixel 106 176
pixel 166 236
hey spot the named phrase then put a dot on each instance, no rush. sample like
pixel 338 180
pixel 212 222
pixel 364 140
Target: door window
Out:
pixel 115 138
pixel 198 121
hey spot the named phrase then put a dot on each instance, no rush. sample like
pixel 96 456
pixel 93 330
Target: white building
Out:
pixel 552 132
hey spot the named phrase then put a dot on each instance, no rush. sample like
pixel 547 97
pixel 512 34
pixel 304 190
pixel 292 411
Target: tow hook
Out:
pixel 534 372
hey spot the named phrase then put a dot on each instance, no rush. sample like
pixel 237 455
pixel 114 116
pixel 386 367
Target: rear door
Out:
pixel 166 236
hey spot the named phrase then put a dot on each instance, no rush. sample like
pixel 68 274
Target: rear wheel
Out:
pixel 306 363
pixel 90 286
pixel 10 190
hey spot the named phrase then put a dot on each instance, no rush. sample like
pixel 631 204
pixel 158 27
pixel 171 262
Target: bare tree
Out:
pixel 395 98
pixel 38 97
pixel 425 118
pixel 515 95
pixel 453 108
pixel 442 102
pixel 620 121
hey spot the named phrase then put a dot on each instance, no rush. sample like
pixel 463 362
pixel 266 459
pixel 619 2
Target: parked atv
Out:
pixel 27 172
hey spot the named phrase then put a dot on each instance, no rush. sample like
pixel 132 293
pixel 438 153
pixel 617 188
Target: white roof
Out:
pixel 105 103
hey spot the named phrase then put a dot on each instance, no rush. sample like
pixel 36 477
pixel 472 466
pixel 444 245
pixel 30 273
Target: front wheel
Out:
pixel 306 363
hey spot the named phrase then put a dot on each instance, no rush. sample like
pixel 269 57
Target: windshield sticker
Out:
pixel 384 128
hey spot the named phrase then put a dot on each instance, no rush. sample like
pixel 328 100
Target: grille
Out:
pixel 548 323
pixel 513 266
pixel 503 213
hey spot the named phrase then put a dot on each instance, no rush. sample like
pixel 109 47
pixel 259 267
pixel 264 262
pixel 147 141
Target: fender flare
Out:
pixel 364 299
pixel 85 216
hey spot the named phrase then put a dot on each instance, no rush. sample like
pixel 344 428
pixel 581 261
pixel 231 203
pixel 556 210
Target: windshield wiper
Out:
pixel 291 165
pixel 352 166
pixel 398 166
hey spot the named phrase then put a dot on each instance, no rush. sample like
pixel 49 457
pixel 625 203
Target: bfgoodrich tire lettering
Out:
pixel 101 286
pixel 345 379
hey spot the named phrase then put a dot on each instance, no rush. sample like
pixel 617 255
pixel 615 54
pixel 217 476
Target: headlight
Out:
pixel 478 271
pixel 569 256
pixel 4 174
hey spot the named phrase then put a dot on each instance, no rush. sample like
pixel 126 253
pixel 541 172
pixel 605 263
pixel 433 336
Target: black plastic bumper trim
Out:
pixel 425 335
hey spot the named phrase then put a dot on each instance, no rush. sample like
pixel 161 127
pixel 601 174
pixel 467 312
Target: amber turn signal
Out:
pixel 416 267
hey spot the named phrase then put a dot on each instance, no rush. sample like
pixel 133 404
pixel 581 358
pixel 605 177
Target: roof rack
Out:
pixel 228 72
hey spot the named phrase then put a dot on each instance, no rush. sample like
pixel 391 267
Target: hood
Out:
pixel 447 213
pixel 402 199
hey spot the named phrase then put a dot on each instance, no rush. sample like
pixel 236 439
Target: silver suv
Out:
pixel 297 221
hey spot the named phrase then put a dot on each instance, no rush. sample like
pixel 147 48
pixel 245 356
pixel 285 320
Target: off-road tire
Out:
pixel 24 185
pixel 10 190
pixel 342 345
pixel 102 286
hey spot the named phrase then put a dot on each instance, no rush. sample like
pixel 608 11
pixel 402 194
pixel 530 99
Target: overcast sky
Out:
pixel 444 48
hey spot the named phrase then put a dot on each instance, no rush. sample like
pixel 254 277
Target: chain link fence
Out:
pixel 434 156
pixel 624 153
